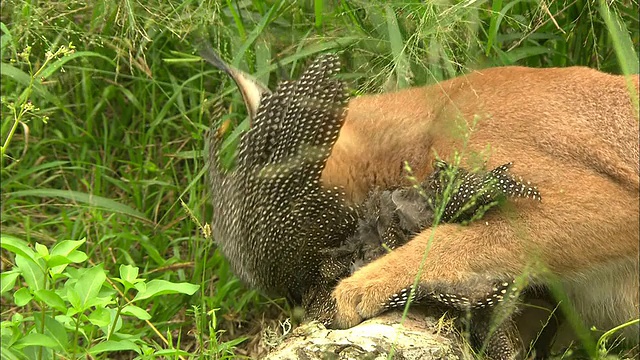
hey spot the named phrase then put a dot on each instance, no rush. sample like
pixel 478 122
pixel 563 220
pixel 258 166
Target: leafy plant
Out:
pixel 20 106
pixel 73 312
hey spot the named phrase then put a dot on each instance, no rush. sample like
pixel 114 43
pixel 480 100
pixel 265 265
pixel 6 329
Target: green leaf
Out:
pixel 25 80
pixel 54 329
pixel 22 297
pixel 151 250
pixel 5 39
pixel 56 65
pixel 622 43
pixel 524 52
pixel 401 63
pixel 17 246
pixel 8 280
pixel 42 250
pixel 128 273
pixel 32 272
pixel 113 345
pixel 136 311
pixel 100 317
pixel 36 171
pixel 65 247
pixel 163 287
pixel 494 24
pixel 52 299
pixel 89 284
pixel 67 321
pixel 77 256
pixel 128 276
pixel 172 353
pixel 74 298
pixel 318 10
pixel 101 301
pixel 58 261
pixel 57 332
pixel 263 59
pixel 35 339
pixel 88 199
pixel 17 318
pixel 9 353
pixel 141 287
pixel 257 30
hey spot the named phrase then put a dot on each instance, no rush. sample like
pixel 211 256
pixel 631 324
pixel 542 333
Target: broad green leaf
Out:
pixel 42 250
pixel 35 339
pixel 136 311
pixel 99 301
pixel 9 333
pixel 74 298
pixel 77 256
pixel 55 261
pixel 100 317
pixel 141 287
pixel 32 272
pixel 89 284
pixel 9 353
pixel 8 280
pixel 163 287
pixel 17 246
pixel 113 345
pixel 17 318
pixel 52 299
pixel 65 247
pixel 128 273
pixel 57 332
pixel 67 321
pixel 128 276
pixel 22 297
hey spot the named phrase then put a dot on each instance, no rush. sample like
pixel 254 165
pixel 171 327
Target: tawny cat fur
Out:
pixel 573 132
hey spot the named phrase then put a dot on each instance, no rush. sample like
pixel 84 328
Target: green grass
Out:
pixel 105 142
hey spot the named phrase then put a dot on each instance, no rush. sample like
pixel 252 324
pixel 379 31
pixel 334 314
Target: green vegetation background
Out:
pixel 104 140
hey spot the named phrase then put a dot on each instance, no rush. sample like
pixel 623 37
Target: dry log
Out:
pixel 419 336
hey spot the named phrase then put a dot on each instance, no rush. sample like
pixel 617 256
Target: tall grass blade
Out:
pixel 87 199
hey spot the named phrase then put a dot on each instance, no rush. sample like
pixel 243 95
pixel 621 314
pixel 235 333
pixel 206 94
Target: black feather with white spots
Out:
pixel 271 216
pixel 470 192
pixel 459 299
